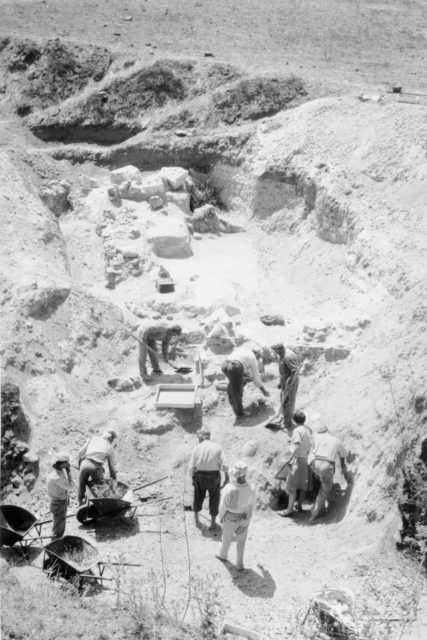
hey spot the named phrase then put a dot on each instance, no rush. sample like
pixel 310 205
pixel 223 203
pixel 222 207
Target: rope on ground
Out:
pixel 162 602
pixel 188 548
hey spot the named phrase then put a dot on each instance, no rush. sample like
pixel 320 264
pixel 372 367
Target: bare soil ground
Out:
pixel 331 197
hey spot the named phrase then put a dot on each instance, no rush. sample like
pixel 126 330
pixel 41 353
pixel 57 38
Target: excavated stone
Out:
pixel 170 238
pixel 88 183
pixel 174 177
pixel 55 196
pixel 125 174
pixel 156 202
pixel 181 199
pixel 205 219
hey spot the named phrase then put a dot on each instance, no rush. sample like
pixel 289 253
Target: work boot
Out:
pixel 158 372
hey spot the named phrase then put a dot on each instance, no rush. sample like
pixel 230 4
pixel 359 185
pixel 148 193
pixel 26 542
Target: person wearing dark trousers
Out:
pixel 148 338
pixel 206 463
pixel 240 367
pixel 289 380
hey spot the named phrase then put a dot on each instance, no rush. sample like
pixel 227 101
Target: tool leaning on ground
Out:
pixel 182 370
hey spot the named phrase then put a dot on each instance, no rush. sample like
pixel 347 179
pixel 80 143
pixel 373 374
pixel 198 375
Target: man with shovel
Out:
pixel 289 380
pixel 147 338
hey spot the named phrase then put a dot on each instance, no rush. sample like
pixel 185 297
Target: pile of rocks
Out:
pixel 123 258
pixel 19 466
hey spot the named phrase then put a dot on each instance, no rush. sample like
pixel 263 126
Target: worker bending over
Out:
pixel 240 367
pixel 235 513
pixel 289 381
pixel 59 483
pixel 148 338
pixel 326 448
pixel 92 456
pixel 206 462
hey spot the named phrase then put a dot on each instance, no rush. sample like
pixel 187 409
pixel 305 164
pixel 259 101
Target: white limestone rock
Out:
pixel 174 177
pixel 181 199
pixel 125 174
pixel 170 238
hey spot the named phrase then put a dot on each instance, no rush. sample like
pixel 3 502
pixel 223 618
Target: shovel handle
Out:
pixel 148 484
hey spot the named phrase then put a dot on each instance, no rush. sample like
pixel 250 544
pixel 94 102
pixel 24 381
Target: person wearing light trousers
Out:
pixel 59 483
pixel 235 513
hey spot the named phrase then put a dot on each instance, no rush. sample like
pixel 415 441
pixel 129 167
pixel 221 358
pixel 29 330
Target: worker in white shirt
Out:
pixel 297 478
pixel 326 448
pixel 59 483
pixel 92 456
pixel 240 367
pixel 206 463
pixel 235 513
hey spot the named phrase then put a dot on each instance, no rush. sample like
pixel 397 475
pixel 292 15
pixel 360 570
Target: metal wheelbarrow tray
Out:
pixel 71 558
pixel 15 525
pixel 106 499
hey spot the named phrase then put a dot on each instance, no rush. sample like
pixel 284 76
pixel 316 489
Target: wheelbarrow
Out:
pixel 16 523
pixel 109 499
pixel 74 558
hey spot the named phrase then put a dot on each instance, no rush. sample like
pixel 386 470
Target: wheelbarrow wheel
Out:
pixel 87 514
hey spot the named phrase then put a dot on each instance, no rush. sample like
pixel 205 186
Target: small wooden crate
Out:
pixel 176 396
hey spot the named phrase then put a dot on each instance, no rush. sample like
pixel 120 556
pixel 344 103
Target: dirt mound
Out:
pixel 41 75
pixel 167 94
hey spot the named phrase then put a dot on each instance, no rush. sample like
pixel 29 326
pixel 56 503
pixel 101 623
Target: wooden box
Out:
pixel 176 396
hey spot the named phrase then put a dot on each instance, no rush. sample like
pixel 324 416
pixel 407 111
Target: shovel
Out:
pixel 182 370
pixel 274 426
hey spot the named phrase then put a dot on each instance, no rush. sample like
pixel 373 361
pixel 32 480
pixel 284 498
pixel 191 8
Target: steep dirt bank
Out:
pixel 332 238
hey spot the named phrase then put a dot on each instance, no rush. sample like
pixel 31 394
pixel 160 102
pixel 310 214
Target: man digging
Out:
pixel 240 367
pixel 148 338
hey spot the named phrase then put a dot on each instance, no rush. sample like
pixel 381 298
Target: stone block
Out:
pixel 174 177
pixel 181 199
pixel 170 238
pixel 153 186
pixel 205 219
pixel 87 183
pixel 125 174
pixel 156 202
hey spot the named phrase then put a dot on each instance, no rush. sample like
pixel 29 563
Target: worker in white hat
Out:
pixel 235 512
pixel 326 449
pixel 59 483
pixel 92 456
pixel 206 463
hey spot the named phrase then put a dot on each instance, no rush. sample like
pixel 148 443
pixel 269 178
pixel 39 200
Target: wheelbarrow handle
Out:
pixel 153 501
pixel 121 564
pixel 148 484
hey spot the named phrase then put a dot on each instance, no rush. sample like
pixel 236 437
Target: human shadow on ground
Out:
pixel 337 507
pixel 204 528
pixel 20 557
pixel 108 528
pixel 255 419
pixel 251 583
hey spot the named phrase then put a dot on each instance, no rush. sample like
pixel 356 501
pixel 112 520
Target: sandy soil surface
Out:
pixel 333 239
